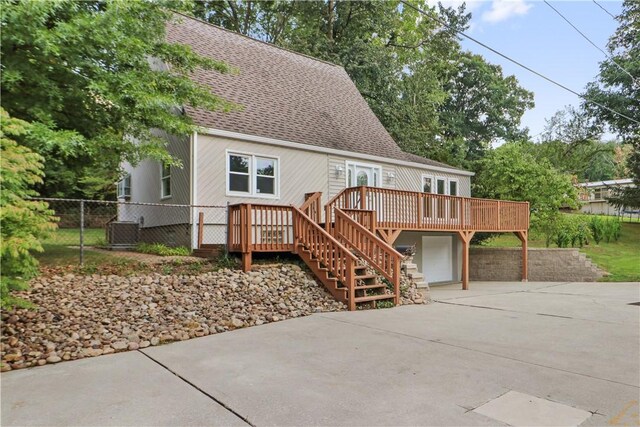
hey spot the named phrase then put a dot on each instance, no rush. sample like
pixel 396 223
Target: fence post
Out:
pixel 81 232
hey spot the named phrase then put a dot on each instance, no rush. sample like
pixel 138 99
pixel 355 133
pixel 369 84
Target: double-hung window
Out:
pixel 252 175
pixel 165 180
pixel 124 187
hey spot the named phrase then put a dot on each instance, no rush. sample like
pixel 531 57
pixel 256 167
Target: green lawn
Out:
pixel 71 237
pixel 621 259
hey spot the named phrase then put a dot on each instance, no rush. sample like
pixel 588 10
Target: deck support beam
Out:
pixel 465 237
pixel 389 235
pixel 523 236
pixel 246 261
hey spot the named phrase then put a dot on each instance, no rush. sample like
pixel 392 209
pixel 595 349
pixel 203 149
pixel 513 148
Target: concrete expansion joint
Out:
pixel 210 396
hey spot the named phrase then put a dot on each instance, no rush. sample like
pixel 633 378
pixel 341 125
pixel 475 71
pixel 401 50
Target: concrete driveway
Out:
pixel 498 354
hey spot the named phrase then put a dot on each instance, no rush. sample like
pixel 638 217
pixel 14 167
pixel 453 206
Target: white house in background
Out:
pixel 594 195
pixel 304 127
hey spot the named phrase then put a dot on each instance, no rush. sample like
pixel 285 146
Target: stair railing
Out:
pixel 374 250
pixel 327 250
pixel 348 198
pixel 312 206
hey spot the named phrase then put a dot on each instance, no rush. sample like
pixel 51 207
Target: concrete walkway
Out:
pixel 498 354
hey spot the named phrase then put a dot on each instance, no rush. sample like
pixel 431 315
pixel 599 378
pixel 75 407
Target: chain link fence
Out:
pixel 119 225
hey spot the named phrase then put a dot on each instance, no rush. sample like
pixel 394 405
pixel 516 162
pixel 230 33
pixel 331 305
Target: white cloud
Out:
pixel 502 10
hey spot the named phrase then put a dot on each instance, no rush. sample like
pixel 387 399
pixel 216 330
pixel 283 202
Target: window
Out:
pixel 165 180
pixel 124 187
pixel 427 183
pixel 252 175
pixel 441 186
pixel 597 194
pixel 453 187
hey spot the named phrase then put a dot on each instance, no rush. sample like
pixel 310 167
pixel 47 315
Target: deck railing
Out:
pixel 374 250
pixel 260 228
pixel 425 211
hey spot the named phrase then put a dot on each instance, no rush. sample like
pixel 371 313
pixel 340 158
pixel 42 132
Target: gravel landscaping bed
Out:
pixel 78 316
pixel 84 316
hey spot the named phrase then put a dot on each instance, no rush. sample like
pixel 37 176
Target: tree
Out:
pixel 618 88
pixel 572 143
pixel 482 105
pixel 511 172
pixel 24 221
pixel 83 71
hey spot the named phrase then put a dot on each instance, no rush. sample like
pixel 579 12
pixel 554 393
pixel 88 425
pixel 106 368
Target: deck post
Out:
pixel 246 261
pixel 465 236
pixel 248 238
pixel 363 195
pixel 523 236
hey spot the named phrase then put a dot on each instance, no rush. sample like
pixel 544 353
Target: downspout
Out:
pixel 193 185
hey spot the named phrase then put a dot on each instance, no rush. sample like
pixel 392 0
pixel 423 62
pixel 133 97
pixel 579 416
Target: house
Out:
pixel 307 167
pixel 593 195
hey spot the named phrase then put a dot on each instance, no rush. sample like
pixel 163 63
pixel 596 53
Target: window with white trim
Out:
pixel 252 175
pixel 165 180
pixel 124 187
pixel 453 187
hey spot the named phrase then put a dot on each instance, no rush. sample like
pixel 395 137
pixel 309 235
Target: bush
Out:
pixel 606 229
pixel 162 250
pixel 597 228
pixel 24 222
pixel 574 230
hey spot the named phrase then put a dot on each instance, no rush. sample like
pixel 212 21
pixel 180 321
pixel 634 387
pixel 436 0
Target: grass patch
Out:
pixel 162 250
pixel 71 237
pixel 621 258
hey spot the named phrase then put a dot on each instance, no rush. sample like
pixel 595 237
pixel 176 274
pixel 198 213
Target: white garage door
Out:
pixel 437 258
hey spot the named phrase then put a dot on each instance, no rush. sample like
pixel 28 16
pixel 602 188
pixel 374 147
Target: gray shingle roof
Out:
pixel 285 95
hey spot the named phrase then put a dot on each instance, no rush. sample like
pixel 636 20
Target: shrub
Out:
pixel 612 229
pixel 162 250
pixel 597 228
pixel 24 222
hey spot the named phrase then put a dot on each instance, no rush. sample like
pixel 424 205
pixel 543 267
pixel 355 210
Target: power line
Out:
pixel 589 40
pixel 602 7
pixel 560 85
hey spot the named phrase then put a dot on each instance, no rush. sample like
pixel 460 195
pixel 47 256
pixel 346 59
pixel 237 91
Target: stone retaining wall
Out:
pixel 545 265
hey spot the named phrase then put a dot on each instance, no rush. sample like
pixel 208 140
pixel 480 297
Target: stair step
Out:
pixel 376 286
pixel 374 298
pixel 365 276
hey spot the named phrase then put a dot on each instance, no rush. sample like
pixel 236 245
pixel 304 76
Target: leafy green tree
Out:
pixel 84 71
pixel 482 105
pixel 24 221
pixel 511 172
pixel 618 88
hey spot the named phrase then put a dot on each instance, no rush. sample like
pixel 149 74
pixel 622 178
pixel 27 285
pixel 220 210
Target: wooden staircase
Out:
pixel 336 266
pixel 207 251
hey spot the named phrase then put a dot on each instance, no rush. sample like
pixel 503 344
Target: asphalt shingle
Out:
pixel 284 95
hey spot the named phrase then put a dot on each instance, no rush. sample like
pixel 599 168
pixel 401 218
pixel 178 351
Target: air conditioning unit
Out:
pixel 123 233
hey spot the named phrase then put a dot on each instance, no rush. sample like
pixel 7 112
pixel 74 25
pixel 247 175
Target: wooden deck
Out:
pixel 367 220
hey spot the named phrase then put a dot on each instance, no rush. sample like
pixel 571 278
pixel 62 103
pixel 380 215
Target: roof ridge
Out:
pixel 256 40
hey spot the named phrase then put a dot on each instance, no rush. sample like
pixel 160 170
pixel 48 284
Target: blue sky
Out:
pixel 530 32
